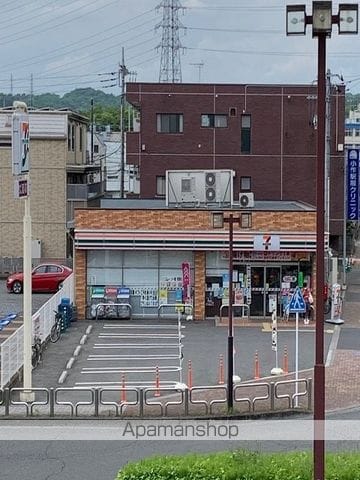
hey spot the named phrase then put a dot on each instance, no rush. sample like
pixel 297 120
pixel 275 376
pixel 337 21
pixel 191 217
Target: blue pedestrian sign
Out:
pixel 297 302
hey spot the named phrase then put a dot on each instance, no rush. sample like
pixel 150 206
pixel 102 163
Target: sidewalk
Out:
pixel 343 375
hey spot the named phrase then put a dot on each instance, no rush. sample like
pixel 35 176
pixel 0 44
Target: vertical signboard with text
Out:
pixel 20 144
pixel 186 281
pixel 353 184
pixel 21 153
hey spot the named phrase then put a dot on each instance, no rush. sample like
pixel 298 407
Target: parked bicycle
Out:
pixel 37 349
pixel 55 332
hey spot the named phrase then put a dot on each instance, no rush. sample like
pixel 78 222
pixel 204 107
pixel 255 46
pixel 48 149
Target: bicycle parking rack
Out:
pixel 110 305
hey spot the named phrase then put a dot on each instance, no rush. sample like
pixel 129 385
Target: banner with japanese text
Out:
pixel 353 184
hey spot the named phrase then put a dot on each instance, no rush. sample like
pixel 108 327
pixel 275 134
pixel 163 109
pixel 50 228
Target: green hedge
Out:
pixel 242 465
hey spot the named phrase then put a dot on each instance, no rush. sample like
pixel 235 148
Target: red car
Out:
pixel 45 278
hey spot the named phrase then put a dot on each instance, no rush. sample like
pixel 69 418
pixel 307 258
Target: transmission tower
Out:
pixel 170 66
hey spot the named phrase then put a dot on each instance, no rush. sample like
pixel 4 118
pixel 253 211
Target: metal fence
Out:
pixel 12 349
pixel 263 397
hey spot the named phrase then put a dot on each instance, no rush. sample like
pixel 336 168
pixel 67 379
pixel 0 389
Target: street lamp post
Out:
pixel 321 21
pixel 230 397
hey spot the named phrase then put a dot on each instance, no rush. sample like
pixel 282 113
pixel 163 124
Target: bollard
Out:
pixel 189 375
pixel 257 366
pixel 286 361
pixel 123 386
pixel 157 382
pixel 221 369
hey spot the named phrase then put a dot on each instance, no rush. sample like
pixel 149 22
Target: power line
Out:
pixel 35 31
pixel 41 57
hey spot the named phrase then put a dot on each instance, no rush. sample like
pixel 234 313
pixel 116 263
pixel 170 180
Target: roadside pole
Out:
pixel 297 305
pixel 296 359
pixel 20 170
pixel 274 345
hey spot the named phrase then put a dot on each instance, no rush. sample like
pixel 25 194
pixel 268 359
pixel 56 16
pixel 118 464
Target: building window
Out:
pixel 246 221
pixel 160 186
pixel 357 133
pixel 214 121
pixel 245 133
pixel 245 184
pixel 170 122
pixel 69 136
pixel 96 148
pixel 80 139
pixel 347 132
pixel 72 138
pixel 232 112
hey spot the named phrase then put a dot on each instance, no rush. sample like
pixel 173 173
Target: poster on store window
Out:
pixel 149 297
pixel 209 298
pixel 239 296
pixel 163 296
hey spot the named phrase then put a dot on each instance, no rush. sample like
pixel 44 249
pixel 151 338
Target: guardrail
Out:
pixel 240 305
pixel 178 306
pixel 263 397
pixel 12 349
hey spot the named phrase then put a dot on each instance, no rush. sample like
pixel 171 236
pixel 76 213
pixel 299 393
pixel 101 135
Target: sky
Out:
pixel 59 45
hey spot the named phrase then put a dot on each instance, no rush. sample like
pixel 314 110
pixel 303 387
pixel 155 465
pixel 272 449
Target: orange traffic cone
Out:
pixel 157 382
pixel 123 388
pixel 221 369
pixel 189 374
pixel 286 361
pixel 257 366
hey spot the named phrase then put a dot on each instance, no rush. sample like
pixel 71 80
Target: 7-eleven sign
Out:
pixel 267 242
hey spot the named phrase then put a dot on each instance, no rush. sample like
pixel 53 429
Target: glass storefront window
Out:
pixel 175 259
pixel 143 259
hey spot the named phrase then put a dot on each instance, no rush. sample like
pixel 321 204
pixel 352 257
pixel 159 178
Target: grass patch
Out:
pixel 241 465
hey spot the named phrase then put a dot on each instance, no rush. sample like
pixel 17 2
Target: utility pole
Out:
pixel 123 72
pixel 327 165
pixel 31 89
pixel 92 131
pixel 11 88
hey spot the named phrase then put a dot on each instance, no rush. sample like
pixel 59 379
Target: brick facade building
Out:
pixel 141 245
pixel 265 133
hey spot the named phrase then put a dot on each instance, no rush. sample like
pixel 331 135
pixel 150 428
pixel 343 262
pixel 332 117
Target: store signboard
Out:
pixel 97 292
pixel 186 280
pixel 353 184
pixel 20 144
pixel 267 242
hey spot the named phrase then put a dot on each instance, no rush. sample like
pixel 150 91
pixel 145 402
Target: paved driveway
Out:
pixel 9 302
pixel 202 344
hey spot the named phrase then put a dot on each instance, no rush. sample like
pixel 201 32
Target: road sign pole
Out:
pixel 276 370
pixel 297 359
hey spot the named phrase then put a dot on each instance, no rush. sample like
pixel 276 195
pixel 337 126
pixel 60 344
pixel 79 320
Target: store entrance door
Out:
pixel 265 290
pixel 257 291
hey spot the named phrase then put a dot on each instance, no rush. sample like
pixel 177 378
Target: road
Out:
pixel 101 460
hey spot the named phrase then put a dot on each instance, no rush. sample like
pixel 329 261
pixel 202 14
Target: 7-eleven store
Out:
pixel 145 246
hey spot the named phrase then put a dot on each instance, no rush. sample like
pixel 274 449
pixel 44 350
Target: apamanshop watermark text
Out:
pixel 181 430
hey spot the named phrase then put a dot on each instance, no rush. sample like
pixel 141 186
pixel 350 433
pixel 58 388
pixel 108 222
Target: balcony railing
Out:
pixel 83 191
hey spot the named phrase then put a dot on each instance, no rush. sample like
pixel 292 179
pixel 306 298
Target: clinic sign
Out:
pixel 353 184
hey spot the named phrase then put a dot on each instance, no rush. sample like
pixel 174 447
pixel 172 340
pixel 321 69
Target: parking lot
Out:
pixel 111 349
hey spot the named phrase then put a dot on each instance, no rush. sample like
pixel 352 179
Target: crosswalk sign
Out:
pixel 297 302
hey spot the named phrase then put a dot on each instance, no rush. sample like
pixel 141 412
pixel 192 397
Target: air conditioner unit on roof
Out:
pixel 246 200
